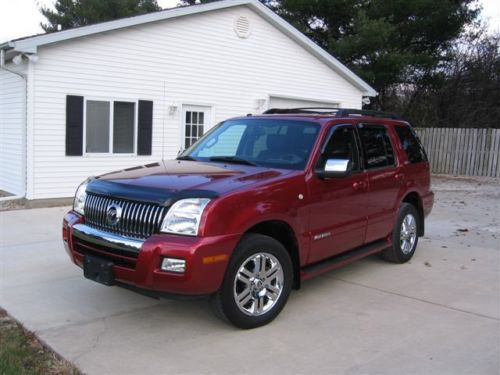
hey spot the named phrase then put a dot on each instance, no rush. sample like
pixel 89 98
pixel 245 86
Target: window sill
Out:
pixel 96 155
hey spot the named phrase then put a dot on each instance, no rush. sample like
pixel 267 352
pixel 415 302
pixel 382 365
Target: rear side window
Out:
pixel 376 146
pixel 411 145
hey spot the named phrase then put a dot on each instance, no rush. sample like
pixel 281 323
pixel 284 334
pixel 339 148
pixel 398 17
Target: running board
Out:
pixel 308 272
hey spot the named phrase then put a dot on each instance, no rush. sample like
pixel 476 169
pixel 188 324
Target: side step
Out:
pixel 313 270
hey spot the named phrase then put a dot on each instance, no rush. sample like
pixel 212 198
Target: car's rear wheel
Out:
pixel 404 235
pixel 257 284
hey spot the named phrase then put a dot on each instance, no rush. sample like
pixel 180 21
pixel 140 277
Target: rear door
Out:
pixel 337 217
pixel 384 179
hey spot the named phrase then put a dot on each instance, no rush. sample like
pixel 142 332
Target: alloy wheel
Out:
pixel 408 233
pixel 258 284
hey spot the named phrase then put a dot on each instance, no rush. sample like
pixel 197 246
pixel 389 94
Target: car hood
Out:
pixel 174 179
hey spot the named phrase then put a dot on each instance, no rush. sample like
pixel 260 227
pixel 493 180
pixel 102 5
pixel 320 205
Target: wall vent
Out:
pixel 242 27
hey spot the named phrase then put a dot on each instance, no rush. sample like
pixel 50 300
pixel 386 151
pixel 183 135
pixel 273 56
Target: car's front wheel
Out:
pixel 404 235
pixel 257 284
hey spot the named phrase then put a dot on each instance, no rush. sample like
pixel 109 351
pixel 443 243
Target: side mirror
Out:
pixel 335 168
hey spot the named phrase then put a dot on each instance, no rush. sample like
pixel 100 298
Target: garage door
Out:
pixel 280 102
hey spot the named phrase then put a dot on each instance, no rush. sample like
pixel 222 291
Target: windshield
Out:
pixel 264 142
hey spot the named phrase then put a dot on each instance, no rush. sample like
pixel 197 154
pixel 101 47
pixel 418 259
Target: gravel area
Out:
pixel 466 211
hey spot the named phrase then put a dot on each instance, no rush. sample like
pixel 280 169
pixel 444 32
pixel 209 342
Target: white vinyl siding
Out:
pixel 12 130
pixel 286 102
pixel 191 60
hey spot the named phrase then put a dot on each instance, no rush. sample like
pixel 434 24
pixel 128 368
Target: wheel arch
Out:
pixel 415 200
pixel 282 232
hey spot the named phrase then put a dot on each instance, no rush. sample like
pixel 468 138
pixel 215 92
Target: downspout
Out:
pixel 23 77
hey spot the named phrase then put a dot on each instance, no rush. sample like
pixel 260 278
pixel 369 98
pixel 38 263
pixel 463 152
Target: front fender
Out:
pixel 240 210
pixel 238 215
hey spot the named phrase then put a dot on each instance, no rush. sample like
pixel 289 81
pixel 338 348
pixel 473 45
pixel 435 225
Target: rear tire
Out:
pixel 257 283
pixel 404 235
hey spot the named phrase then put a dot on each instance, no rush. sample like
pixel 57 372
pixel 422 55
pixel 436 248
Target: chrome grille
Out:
pixel 139 220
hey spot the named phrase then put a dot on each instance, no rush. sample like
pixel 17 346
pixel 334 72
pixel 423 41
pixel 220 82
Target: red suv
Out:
pixel 253 208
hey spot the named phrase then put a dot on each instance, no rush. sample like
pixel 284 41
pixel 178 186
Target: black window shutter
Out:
pixel 145 127
pixel 74 125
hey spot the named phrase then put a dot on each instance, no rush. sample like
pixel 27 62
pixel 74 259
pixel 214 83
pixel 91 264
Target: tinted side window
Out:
pixel 410 144
pixel 341 145
pixel 377 146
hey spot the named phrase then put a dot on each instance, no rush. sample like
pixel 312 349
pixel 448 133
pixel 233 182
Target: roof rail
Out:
pixel 337 112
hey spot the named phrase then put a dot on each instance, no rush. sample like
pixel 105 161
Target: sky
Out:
pixel 20 18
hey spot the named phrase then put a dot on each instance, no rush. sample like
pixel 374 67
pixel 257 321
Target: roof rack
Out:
pixel 337 112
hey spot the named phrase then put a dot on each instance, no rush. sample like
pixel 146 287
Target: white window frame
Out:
pixel 209 119
pixel 111 127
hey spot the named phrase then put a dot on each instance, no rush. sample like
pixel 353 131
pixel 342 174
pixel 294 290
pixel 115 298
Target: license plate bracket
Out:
pixel 99 270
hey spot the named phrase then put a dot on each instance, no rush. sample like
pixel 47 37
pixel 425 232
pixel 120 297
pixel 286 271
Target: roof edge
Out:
pixel 31 44
pixel 6 45
pixel 313 48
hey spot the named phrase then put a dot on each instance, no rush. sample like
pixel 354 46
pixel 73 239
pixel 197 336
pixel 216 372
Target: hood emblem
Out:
pixel 113 214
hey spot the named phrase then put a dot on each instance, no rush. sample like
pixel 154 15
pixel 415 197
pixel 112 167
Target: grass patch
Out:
pixel 22 353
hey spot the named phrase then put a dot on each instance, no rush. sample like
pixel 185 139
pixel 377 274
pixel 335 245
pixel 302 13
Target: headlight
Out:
pixel 80 196
pixel 184 216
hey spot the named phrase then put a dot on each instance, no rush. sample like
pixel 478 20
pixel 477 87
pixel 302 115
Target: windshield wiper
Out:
pixel 232 159
pixel 186 157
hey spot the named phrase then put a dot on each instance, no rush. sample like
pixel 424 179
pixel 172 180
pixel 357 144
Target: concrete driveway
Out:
pixel 437 314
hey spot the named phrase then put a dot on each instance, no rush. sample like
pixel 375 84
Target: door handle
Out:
pixel 359 185
pixel 399 176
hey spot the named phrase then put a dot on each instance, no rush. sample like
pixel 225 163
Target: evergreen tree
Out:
pixel 386 42
pixel 75 13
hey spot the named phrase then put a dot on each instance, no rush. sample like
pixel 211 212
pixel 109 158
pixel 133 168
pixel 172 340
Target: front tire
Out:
pixel 404 235
pixel 257 284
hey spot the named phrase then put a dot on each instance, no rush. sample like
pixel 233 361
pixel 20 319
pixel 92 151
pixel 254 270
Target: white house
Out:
pixel 113 95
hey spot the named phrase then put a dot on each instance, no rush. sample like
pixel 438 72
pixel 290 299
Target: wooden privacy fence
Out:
pixel 462 152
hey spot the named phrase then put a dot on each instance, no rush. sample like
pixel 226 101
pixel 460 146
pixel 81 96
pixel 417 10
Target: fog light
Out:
pixel 173 265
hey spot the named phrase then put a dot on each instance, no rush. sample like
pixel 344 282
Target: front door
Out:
pixel 337 216
pixel 196 121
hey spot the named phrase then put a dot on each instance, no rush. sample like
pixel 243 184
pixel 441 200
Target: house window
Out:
pixel 194 127
pixel 123 127
pixel 97 131
pixel 110 127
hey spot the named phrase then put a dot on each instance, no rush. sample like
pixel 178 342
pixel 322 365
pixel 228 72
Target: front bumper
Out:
pixel 137 262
